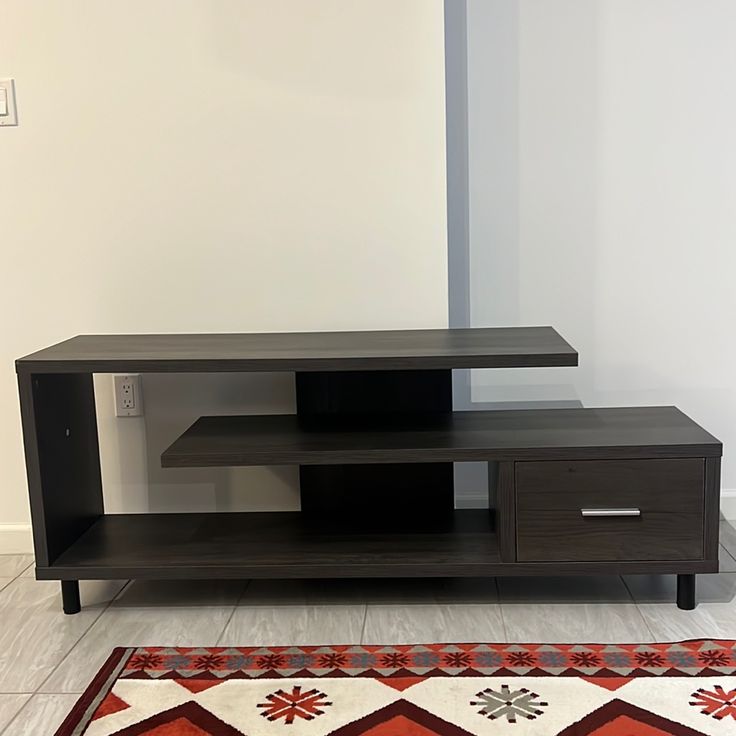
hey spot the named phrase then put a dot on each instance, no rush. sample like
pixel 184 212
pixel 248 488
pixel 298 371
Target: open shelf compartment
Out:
pixel 281 545
pixel 277 545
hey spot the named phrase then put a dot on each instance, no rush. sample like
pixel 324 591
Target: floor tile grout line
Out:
pixel 20 710
pixel 25 569
pixel 17 575
pixel 500 611
pixel 76 643
pixel 646 622
pixel 628 590
pixel 121 591
pixel 75 693
pixel 727 551
pixel 638 610
pixel 22 572
pixel 232 613
pixel 720 536
pixel 28 692
pixel 15 717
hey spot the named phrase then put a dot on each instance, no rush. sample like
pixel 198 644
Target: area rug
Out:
pixel 677 689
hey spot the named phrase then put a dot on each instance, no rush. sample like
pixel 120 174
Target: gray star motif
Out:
pixel 509 703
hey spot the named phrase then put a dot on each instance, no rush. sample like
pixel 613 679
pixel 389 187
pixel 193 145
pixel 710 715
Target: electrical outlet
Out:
pixel 128 396
pixel 8 112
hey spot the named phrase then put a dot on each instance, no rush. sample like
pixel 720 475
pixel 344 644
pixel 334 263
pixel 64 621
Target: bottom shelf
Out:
pixel 277 545
pixel 296 545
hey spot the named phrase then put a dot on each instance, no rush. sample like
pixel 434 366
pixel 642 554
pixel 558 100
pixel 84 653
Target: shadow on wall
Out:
pixel 176 402
pixel 533 188
pixel 532 172
pixel 134 480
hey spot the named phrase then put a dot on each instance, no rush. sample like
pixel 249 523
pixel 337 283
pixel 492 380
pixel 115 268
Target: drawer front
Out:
pixel 655 510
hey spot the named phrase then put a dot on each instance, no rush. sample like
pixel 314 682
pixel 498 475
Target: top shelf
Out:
pixel 488 347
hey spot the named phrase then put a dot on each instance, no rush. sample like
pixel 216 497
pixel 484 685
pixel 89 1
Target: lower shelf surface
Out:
pixel 278 545
pixel 297 545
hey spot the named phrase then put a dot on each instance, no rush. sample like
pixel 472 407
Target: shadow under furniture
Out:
pixel 571 491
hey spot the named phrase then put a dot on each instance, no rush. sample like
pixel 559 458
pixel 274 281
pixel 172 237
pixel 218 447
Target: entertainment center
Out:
pixel 571 491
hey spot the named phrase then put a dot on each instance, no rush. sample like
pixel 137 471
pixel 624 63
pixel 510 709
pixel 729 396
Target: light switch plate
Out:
pixel 8 111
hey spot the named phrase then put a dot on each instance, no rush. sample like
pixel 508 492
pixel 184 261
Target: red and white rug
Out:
pixel 681 689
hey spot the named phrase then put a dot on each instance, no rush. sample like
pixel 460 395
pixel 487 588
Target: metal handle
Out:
pixel 610 512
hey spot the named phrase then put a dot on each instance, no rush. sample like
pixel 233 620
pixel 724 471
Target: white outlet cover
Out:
pixel 127 387
pixel 8 110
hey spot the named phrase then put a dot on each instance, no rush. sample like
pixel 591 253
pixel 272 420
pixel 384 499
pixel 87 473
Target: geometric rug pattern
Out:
pixel 676 689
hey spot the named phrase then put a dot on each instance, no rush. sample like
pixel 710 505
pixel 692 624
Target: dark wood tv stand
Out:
pixel 572 491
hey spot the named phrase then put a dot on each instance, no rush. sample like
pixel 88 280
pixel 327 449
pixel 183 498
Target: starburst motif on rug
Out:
pixel 585 659
pixel 394 659
pixel 457 659
pixel 271 661
pixel 295 704
pixel 145 661
pixel 333 660
pixel 521 659
pixel 716 703
pixel 715 658
pixel 649 659
pixel 509 703
pixel 209 662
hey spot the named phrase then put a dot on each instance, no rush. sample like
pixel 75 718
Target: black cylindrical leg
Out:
pixel 70 596
pixel 686 592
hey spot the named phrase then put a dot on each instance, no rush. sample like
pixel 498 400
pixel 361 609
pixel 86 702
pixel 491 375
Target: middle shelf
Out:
pixel 290 439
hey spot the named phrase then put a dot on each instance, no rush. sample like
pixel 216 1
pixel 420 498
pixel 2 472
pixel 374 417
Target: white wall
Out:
pixel 260 164
pixel 625 187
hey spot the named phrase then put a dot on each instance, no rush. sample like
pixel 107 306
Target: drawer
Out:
pixel 668 495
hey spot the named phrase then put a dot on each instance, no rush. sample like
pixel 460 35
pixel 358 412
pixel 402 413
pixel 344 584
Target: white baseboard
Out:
pixel 471 500
pixel 728 504
pixel 16 539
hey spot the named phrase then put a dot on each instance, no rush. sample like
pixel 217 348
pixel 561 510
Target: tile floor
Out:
pixel 47 658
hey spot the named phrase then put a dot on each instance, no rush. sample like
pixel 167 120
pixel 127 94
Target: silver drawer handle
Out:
pixel 610 512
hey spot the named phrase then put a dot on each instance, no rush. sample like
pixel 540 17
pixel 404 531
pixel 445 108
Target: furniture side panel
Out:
pixel 712 504
pixel 62 458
